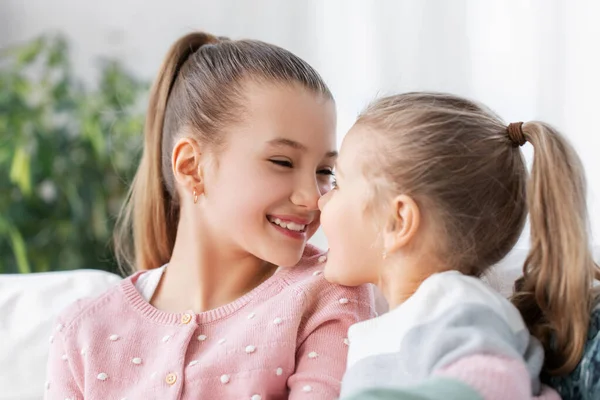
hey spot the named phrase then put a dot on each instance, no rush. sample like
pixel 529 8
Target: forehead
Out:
pixel 289 111
pixel 354 150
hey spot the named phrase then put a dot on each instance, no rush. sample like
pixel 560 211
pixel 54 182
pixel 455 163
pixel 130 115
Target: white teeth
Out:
pixel 294 226
pixel 288 225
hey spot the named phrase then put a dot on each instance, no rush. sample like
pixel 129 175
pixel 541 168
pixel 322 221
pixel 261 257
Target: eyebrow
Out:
pixel 283 142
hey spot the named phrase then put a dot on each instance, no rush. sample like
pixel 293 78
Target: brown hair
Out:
pixel 199 88
pixel 458 161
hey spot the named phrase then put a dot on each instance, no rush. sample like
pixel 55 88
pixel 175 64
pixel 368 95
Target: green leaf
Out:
pixel 21 87
pixel 28 53
pixel 57 56
pixel 93 131
pixel 20 171
pixel 19 250
pixel 17 244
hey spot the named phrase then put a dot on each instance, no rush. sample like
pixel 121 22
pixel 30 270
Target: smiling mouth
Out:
pixel 289 225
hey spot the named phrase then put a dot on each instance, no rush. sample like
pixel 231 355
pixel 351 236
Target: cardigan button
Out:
pixel 171 379
pixel 186 318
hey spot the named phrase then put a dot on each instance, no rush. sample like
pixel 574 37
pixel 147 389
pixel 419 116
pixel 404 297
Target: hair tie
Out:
pixel 515 133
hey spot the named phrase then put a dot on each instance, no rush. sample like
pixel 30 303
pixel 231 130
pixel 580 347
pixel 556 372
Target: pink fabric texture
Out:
pixel 496 378
pixel 284 339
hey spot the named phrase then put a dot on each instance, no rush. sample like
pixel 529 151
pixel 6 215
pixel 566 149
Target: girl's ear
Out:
pixel 187 165
pixel 404 224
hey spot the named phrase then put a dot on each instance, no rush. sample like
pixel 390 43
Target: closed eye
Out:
pixel 282 163
pixel 325 172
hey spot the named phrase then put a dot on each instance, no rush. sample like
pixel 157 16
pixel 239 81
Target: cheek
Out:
pixel 350 249
pixel 330 218
pixel 243 194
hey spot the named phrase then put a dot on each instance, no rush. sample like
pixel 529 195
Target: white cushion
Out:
pixel 29 305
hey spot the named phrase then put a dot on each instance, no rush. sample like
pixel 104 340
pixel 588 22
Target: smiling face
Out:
pixel 262 189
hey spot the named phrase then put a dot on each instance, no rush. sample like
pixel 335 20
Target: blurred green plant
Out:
pixel 67 153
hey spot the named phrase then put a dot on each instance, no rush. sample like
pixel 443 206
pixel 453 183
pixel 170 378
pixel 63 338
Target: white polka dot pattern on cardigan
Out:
pixel 102 376
pixel 205 336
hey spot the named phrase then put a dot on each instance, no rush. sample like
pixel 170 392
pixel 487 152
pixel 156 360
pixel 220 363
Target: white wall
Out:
pixel 526 59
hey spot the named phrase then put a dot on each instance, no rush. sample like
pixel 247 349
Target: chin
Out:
pixel 333 276
pixel 284 258
pixel 341 276
pixel 329 276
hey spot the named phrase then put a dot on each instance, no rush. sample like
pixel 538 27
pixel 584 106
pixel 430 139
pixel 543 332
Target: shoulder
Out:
pixel 91 310
pixel 452 291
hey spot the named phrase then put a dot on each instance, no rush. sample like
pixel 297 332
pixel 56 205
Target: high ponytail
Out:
pixel 198 92
pixel 150 213
pixel 556 294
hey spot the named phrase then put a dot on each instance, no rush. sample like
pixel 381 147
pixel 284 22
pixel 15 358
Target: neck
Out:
pixel 400 279
pixel 203 275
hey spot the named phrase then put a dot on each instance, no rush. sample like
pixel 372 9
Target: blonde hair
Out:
pixel 460 163
pixel 200 88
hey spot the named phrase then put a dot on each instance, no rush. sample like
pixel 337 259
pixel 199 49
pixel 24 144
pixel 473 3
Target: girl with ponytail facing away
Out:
pixel 226 299
pixel 431 191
